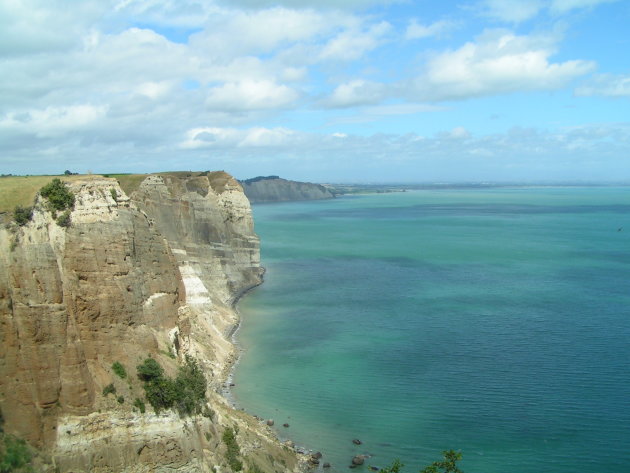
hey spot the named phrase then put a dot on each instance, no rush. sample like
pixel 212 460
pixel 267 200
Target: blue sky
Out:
pixel 327 91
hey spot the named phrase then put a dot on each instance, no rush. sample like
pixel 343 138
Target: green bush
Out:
pixel 120 399
pixel 22 215
pixel 233 450
pixel 58 195
pixel 190 386
pixel 447 465
pixel 139 403
pixel 109 389
pixel 187 392
pixel 150 370
pixel 16 454
pixel 119 369
pixel 161 393
pixel 64 219
pixel 114 194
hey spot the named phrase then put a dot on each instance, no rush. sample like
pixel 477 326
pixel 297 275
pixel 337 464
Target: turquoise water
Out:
pixel 495 322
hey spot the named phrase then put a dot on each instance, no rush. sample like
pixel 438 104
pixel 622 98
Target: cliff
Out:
pixel 275 189
pixel 150 274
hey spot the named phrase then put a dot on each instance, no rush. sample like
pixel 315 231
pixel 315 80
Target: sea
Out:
pixel 494 322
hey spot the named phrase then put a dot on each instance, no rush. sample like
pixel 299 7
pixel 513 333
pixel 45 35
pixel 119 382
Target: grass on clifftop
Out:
pixel 21 190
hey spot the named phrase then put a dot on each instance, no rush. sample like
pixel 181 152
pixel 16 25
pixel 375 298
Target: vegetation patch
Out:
pixel 15 455
pixel 109 389
pixel 139 403
pixel 186 393
pixel 233 450
pixel 63 220
pixel 22 215
pixel 119 369
pixel 58 195
pixel 447 465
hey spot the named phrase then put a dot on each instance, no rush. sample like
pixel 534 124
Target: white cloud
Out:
pixel 217 137
pixel 335 4
pixel 53 121
pixel 416 30
pixel 231 33
pixel 356 92
pixel 498 62
pixel 250 95
pixel 607 85
pixel 459 133
pixel 40 26
pixel 563 6
pixel 516 11
pixel 352 44
pixel 513 11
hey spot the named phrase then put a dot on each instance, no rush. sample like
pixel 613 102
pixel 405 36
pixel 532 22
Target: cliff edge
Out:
pixel 151 274
pixel 275 189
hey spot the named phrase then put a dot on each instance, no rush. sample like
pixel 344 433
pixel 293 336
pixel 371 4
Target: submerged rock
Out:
pixel 358 460
pixel 356 441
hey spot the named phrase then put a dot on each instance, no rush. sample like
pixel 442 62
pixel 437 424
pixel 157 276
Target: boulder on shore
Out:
pixel 358 460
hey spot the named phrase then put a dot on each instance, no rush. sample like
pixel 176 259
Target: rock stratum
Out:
pixel 151 274
pixel 275 189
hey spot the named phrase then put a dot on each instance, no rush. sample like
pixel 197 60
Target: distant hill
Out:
pixel 275 189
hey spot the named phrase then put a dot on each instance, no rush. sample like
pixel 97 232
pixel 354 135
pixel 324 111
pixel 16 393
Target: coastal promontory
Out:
pixel 116 319
pixel 275 189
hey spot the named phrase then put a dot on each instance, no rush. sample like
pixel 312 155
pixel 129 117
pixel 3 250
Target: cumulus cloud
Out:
pixel 516 11
pixel 217 137
pixel 563 6
pixel 498 62
pixel 417 30
pixel 607 85
pixel 513 11
pixel 352 44
pixel 52 121
pixel 356 92
pixel 250 95
pixel 335 4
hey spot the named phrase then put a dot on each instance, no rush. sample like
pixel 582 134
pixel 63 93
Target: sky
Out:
pixel 318 90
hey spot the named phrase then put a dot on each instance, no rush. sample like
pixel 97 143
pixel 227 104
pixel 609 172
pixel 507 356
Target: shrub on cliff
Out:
pixel 14 454
pixel 109 389
pixel 150 370
pixel 22 215
pixel 447 465
pixel 187 392
pixel 58 195
pixel 233 450
pixel 119 369
pixel 63 220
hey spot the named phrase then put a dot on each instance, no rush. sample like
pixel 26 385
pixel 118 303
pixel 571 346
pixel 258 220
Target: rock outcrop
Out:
pixel 275 189
pixel 153 274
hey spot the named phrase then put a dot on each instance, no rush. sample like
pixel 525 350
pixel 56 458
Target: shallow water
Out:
pixel 495 322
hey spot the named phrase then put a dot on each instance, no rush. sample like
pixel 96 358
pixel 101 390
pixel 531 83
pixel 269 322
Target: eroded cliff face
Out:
pixel 275 189
pixel 152 274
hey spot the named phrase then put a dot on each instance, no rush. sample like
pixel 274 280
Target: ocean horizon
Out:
pixel 492 321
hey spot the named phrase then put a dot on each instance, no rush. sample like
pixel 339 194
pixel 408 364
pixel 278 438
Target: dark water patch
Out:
pixel 510 211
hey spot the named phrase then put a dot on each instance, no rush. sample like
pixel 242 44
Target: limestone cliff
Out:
pixel 275 189
pixel 150 274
